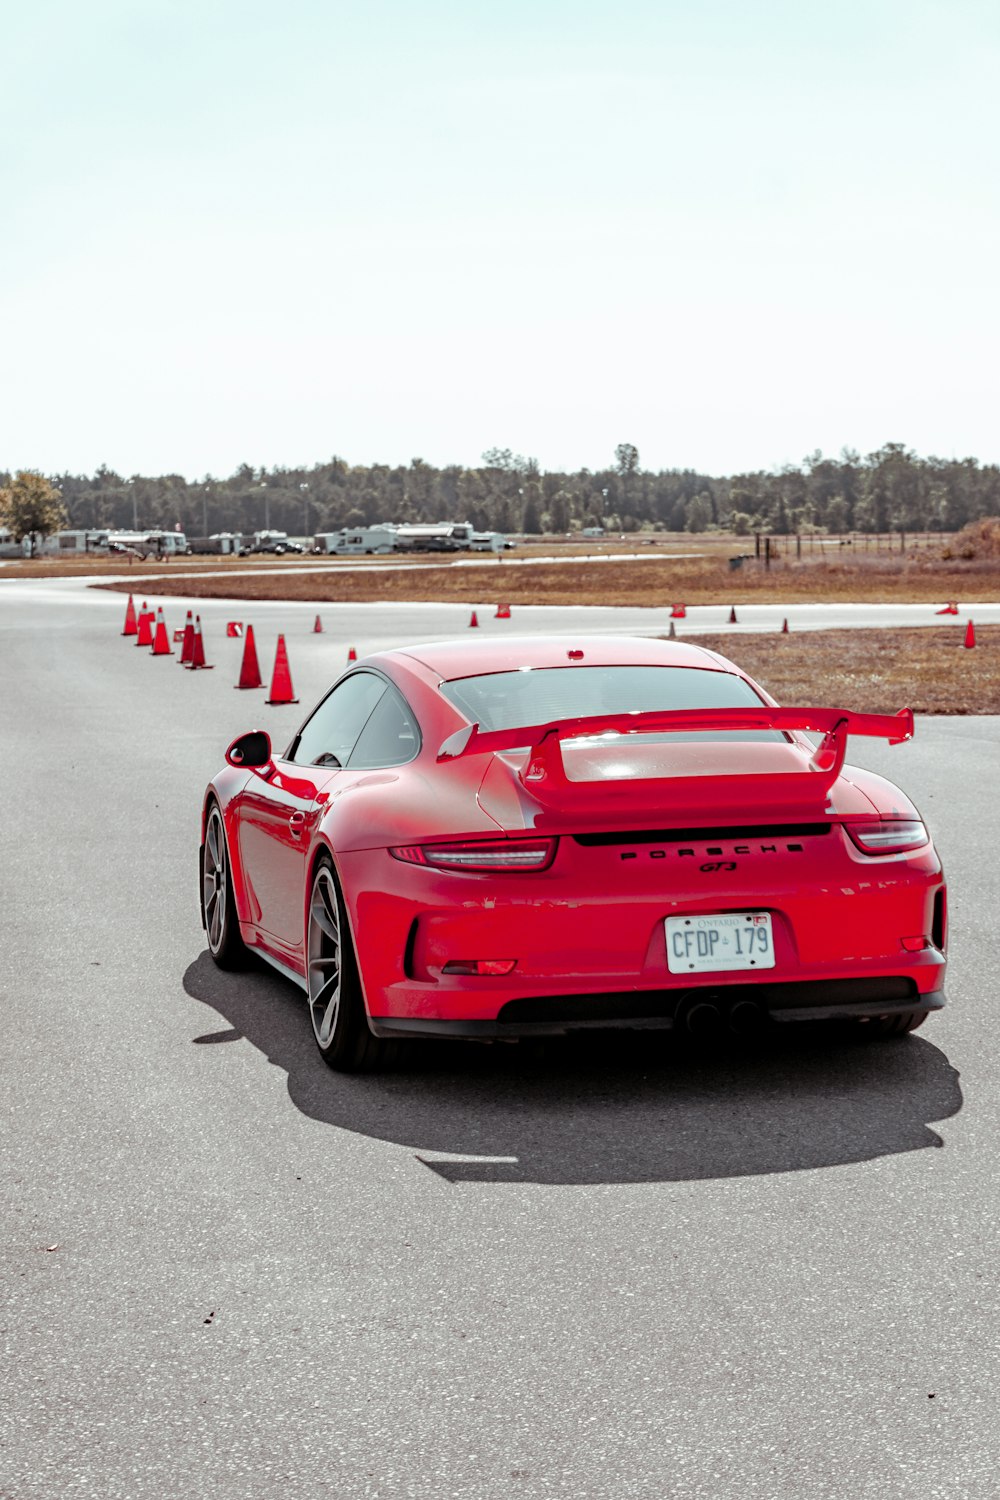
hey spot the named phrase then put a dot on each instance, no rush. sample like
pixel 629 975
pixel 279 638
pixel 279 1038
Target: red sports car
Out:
pixel 495 840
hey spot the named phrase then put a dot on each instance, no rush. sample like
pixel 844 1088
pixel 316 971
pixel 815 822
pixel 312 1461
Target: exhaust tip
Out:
pixel 704 1021
pixel 746 1018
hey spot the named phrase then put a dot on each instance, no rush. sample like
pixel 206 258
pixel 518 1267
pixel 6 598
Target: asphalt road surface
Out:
pixel 594 1272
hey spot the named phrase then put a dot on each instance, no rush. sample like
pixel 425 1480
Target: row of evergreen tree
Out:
pixel 890 489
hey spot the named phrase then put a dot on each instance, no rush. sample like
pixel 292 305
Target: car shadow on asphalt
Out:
pixel 603 1107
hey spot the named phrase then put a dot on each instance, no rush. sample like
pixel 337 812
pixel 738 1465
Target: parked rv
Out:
pixel 368 541
pixel 220 544
pixel 150 543
pixel 63 543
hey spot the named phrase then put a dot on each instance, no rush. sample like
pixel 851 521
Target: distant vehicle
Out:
pixel 61 543
pixel 9 545
pixel 442 536
pixel 592 531
pixel 278 543
pixel 490 541
pixel 220 544
pixel 369 541
pixel 147 544
pixel 269 541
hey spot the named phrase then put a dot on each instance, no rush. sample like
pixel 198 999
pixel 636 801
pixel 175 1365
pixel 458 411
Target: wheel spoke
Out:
pixel 215 922
pixel 324 958
pixel 214 882
pixel 325 1008
pixel 325 921
pixel 325 961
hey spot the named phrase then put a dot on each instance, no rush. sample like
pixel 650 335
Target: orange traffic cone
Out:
pixel 161 641
pixel 281 681
pixel 318 627
pixel 732 616
pixel 235 628
pixel 970 635
pixel 352 655
pixel 473 622
pixel 503 612
pixel 144 634
pixel 187 635
pixel 673 632
pixel 784 627
pixel 679 612
pixel 197 649
pixel 951 608
pixel 249 670
pixel 131 624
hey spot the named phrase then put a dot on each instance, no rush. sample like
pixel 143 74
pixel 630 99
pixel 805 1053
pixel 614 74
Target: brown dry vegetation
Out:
pixel 656 581
pixel 874 671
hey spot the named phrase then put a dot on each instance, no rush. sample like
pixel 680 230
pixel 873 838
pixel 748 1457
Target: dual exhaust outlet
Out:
pixel 708 1018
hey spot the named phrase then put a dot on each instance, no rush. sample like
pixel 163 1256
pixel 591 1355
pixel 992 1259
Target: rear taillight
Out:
pixel 503 856
pixel 888 835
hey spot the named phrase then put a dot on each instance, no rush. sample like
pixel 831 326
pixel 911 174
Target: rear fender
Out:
pixel 322 850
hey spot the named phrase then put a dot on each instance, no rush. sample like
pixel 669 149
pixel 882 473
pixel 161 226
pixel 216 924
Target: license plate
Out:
pixel 718 942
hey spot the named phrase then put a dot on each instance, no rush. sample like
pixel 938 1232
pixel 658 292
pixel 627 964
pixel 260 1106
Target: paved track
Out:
pixel 614 1274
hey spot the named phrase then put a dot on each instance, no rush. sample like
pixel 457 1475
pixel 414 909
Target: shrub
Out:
pixel 977 539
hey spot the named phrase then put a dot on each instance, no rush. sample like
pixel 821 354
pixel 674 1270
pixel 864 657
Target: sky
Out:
pixel 729 233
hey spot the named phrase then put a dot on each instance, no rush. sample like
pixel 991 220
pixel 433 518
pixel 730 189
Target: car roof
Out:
pixel 472 658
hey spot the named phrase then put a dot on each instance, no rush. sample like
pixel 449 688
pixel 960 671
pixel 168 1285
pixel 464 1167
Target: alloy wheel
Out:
pixel 214 880
pixel 324 957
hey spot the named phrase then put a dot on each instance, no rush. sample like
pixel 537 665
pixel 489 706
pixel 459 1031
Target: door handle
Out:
pixel 296 823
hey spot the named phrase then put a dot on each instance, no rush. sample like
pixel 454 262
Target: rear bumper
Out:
pixel 590 943
pixel 557 1015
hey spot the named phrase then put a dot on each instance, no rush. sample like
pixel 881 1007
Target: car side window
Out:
pixel 328 738
pixel 389 738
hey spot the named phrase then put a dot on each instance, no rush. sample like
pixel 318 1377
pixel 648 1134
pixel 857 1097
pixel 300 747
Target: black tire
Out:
pixel 880 1027
pixel 336 1006
pixel 218 908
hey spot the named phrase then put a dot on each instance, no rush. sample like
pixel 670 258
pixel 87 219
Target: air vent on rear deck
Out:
pixel 703 835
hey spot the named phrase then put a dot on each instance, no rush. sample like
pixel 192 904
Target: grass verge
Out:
pixel 873 671
pixel 653 581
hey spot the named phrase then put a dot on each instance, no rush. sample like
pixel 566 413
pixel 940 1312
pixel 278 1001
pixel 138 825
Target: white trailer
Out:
pixel 220 544
pixel 67 543
pixel 357 541
pixel 489 541
pixel 442 536
pixel 150 543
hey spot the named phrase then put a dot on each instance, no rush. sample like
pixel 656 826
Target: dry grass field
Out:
pixel 874 671
pixel 606 579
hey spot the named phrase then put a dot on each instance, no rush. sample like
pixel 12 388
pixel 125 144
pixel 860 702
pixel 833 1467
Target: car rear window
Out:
pixel 510 700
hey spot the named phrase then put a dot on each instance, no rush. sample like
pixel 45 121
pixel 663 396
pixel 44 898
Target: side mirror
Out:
pixel 250 751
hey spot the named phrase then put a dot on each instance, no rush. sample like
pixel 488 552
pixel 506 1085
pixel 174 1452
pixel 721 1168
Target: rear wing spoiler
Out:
pixel 544 771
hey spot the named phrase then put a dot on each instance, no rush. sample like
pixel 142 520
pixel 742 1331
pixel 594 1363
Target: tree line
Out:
pixel 891 489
